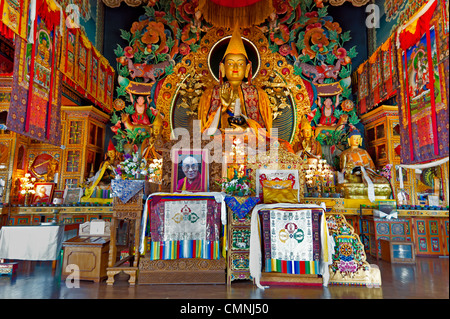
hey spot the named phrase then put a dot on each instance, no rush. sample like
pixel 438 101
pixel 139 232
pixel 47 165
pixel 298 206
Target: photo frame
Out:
pixel 190 170
pixel 72 195
pixel 43 193
pixel 58 194
pixel 58 197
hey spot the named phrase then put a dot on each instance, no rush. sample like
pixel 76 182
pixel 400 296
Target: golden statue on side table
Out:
pixel 360 179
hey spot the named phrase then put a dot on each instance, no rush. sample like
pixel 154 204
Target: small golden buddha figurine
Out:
pixel 308 145
pixel 234 103
pixel 151 146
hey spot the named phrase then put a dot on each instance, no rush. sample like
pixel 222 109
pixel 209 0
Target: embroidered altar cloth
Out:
pixel 126 189
pixel 183 225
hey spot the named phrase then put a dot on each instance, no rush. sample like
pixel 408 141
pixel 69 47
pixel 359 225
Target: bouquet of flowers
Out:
pixel 386 171
pixel 154 171
pixel 132 167
pixel 239 186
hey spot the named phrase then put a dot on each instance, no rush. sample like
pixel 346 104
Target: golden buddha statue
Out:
pixel 234 103
pixel 308 145
pixel 360 178
pixel 354 156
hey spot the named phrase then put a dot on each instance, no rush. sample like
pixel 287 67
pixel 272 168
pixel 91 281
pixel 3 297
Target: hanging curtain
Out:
pixel 36 90
pixel 423 108
pixel 410 33
pixel 226 13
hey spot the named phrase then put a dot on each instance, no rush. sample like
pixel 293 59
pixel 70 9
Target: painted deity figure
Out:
pixel 234 103
pixel 327 108
pixel 140 116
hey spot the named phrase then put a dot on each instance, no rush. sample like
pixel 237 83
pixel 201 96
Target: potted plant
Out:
pixel 237 186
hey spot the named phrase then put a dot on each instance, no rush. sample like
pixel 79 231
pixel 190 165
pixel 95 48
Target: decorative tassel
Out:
pixel 227 17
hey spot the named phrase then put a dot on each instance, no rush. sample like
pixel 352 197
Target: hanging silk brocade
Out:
pixel 423 105
pixel 14 18
pixel 94 74
pixel 375 79
pixel 388 69
pixel 363 87
pixel 36 91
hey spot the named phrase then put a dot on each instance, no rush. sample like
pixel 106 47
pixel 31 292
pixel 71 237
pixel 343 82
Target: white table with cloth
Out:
pixel 37 243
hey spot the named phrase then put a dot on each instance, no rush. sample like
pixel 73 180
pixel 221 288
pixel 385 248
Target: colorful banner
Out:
pixel 36 92
pixel 14 18
pixel 424 103
pixel 86 70
pixel 68 66
pixel 94 74
pixel 83 66
pixel 375 79
pixel 389 73
pixel 363 87
pixel 185 220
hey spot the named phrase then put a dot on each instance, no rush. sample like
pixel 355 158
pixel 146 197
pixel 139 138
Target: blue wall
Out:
pixel 353 19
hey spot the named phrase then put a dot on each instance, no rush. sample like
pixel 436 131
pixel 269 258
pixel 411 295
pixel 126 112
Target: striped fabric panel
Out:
pixel 166 250
pixel 293 267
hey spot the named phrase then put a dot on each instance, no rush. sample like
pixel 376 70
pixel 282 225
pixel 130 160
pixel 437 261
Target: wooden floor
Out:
pixel 427 279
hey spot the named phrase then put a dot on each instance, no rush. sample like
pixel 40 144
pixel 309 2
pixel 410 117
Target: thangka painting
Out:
pixel 424 112
pixel 95 61
pixel 36 94
pixel 14 15
pixel 375 78
pixel 83 54
pixel 69 56
pixel 363 87
pixel 388 69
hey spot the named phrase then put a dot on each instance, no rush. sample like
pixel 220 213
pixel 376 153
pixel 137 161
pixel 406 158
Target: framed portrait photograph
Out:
pixel 190 170
pixel 43 193
pixel 72 195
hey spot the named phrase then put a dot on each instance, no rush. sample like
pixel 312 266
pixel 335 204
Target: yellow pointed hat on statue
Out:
pixel 236 45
